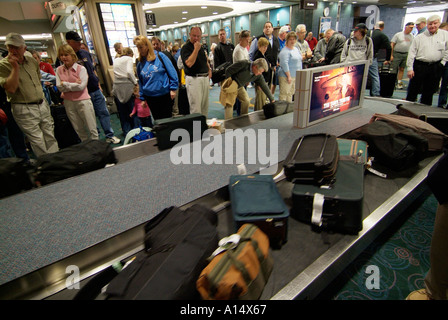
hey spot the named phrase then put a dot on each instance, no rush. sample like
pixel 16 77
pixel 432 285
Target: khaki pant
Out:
pixel 286 89
pixel 245 102
pixel 436 279
pixel 37 124
pixel 198 89
pixel 82 117
pixel 260 98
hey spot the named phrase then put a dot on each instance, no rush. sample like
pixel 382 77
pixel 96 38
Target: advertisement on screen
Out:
pixel 335 91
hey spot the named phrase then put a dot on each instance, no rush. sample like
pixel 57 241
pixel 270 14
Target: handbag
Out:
pixel 142 135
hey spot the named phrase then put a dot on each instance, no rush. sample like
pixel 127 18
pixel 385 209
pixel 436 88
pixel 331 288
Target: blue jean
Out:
pixel 99 104
pixel 124 110
pixel 443 87
pixel 375 78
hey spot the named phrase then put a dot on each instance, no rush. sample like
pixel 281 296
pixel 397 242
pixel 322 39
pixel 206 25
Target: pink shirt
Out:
pixel 141 112
pixel 71 90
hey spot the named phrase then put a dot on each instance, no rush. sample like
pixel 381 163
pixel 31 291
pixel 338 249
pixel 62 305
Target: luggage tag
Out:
pixel 227 243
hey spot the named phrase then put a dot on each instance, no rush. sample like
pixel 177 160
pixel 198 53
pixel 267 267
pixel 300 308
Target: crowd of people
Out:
pixel 148 88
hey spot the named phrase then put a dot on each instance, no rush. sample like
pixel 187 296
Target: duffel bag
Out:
pixel 240 267
pixel 80 158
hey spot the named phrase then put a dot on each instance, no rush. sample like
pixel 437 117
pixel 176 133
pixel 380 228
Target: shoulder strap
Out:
pixel 161 59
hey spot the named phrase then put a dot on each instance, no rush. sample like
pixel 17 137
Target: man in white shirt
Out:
pixel 426 58
pixel 400 43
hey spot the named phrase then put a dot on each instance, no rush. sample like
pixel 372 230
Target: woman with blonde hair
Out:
pixel 71 80
pixel 124 83
pixel 158 80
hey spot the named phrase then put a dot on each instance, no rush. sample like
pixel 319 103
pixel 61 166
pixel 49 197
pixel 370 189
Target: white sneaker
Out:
pixel 399 86
pixel 113 140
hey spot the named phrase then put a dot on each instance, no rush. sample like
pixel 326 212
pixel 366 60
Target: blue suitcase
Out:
pixel 255 199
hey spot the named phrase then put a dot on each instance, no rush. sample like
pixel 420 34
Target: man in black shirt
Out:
pixel 224 49
pixel 381 51
pixel 197 72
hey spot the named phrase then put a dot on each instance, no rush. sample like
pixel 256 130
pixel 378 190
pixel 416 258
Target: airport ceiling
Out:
pixel 182 12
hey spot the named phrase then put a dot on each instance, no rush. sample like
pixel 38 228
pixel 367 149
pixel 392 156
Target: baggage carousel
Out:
pixel 95 220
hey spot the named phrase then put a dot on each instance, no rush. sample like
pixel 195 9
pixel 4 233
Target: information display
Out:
pixel 119 24
pixel 325 92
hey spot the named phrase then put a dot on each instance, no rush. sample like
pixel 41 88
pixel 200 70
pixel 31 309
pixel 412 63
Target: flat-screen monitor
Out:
pixel 326 92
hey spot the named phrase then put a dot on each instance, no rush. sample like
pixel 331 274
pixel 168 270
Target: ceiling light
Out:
pixel 204 7
pixel 215 12
pixel 184 12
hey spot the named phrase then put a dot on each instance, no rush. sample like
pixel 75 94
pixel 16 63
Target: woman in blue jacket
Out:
pixel 158 79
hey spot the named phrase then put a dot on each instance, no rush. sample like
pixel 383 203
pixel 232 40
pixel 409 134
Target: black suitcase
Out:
pixel 313 159
pixel 164 127
pixel 177 244
pixel 219 73
pixel 182 101
pixel 81 158
pixel 277 108
pixel 437 117
pixel 64 133
pixel 255 199
pixel 15 176
pixel 336 209
pixel 387 80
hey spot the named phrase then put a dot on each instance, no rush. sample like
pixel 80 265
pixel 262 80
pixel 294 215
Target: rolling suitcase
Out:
pixel 437 117
pixel 64 133
pixel 277 108
pixel 335 209
pixel 255 199
pixel 387 80
pixel 353 150
pixel 164 127
pixel 312 159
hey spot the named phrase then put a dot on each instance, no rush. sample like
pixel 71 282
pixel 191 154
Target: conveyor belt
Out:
pixel 96 219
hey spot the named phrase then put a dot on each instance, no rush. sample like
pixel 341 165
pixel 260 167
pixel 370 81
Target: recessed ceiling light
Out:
pixel 204 7
pixel 184 12
pixel 215 12
pixel 183 18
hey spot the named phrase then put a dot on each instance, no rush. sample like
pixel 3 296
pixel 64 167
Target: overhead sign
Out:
pixel 150 19
pixel 309 4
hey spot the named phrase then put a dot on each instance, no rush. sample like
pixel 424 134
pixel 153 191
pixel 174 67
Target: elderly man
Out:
pixel 243 72
pixel 93 86
pixel 302 44
pixel 20 77
pixel 335 45
pixel 421 25
pixel 426 58
pixel 197 72
pixel 400 44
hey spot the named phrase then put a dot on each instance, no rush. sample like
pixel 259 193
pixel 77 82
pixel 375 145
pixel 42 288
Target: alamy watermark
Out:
pixel 236 146
pixel 373 280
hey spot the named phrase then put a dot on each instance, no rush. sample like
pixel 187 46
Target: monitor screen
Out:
pixel 326 92
pixel 335 91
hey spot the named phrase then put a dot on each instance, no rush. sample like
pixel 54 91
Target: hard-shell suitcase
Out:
pixel 437 117
pixel 255 199
pixel 64 133
pixel 193 125
pixel 277 108
pixel 240 267
pixel 177 244
pixel 312 159
pixel 81 158
pixel 338 208
pixel 387 80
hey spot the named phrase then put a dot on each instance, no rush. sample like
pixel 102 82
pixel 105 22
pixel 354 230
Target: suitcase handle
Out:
pixel 321 151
